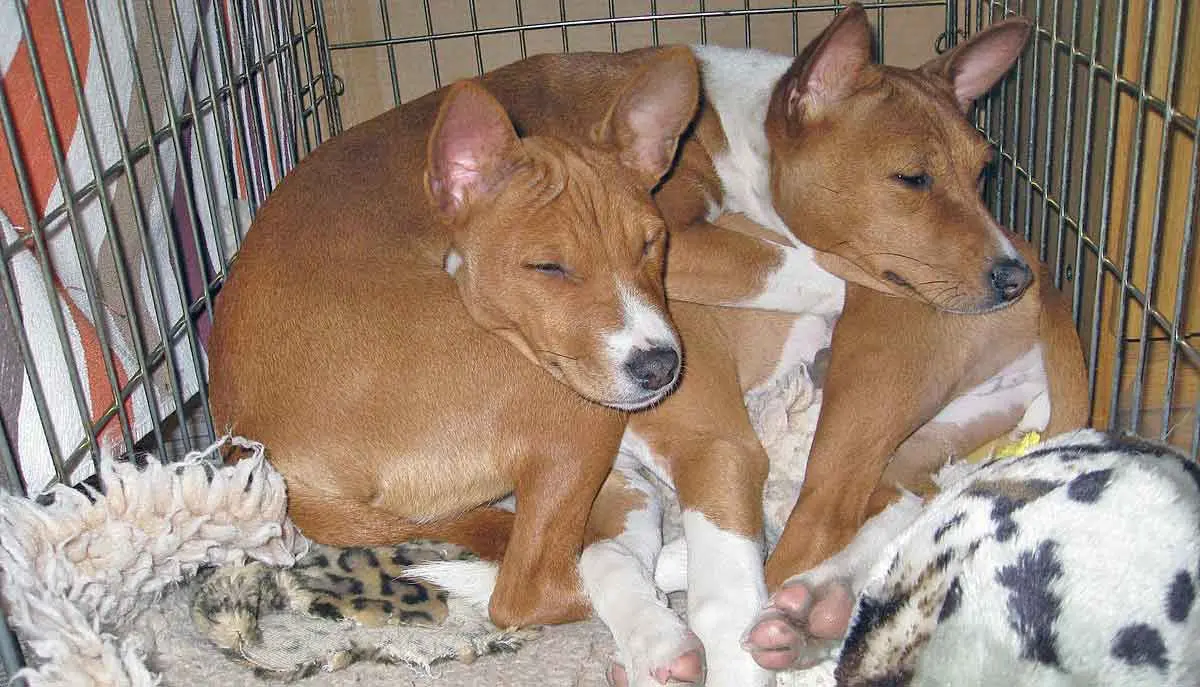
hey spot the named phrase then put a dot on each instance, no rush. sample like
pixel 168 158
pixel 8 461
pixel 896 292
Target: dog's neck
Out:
pixel 738 85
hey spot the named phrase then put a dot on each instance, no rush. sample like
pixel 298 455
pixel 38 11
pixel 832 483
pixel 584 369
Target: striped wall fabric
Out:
pixel 138 138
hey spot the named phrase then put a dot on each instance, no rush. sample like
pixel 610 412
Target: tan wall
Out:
pixel 909 35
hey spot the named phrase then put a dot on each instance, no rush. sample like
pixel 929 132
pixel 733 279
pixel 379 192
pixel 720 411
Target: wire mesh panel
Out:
pixel 137 138
pixel 1097 138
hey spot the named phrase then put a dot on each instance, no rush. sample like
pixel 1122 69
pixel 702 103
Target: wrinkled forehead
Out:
pixel 919 110
pixel 596 198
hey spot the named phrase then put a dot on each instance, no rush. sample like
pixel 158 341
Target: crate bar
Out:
pixel 433 57
pixel 238 135
pixel 1156 225
pixel 1178 342
pixel 333 110
pixel 385 17
pixel 1064 179
pixel 228 176
pixel 181 167
pixel 44 268
pixel 143 99
pixel 1131 210
pixel 311 82
pixel 83 254
pixel 478 47
pixel 653 18
pixel 1105 216
pixel 521 32
pixel 199 138
pixel 1031 140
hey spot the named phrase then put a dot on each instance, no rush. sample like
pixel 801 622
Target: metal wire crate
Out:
pixel 139 138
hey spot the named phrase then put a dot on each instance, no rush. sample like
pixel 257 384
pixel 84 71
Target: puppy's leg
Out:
pixel 808 617
pixel 702 438
pixel 538 581
pixel 733 264
pixel 624 535
pixel 878 390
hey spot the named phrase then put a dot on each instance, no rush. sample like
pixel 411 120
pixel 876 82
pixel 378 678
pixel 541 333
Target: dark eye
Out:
pixel 919 180
pixel 552 269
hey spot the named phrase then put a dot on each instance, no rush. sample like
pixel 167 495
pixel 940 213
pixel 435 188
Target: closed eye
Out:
pixel 920 180
pixel 552 269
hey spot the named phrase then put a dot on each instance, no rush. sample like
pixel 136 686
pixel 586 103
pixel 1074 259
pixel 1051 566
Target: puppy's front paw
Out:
pixel 802 625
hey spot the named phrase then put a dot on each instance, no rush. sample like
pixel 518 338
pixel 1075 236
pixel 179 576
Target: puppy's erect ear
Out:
pixel 975 66
pixel 828 68
pixel 472 148
pixel 653 110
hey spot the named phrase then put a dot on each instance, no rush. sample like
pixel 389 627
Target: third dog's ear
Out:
pixel 828 68
pixel 651 113
pixel 471 150
pixel 975 66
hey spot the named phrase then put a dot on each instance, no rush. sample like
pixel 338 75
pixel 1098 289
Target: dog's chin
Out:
pixel 954 305
pixel 621 395
pixel 631 399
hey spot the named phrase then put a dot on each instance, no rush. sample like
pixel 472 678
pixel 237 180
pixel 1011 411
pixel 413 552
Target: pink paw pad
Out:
pixel 687 668
pixel 800 625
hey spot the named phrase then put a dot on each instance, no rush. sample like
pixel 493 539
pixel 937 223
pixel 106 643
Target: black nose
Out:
pixel 654 368
pixel 1010 278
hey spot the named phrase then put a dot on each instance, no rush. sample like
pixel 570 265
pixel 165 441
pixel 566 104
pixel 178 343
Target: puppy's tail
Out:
pixel 471 581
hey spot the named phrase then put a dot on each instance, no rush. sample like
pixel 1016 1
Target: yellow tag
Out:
pixel 1014 448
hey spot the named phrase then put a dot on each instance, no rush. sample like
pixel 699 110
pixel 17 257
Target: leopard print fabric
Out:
pixel 365 585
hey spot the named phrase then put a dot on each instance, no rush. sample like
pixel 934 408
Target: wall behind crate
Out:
pixel 372 41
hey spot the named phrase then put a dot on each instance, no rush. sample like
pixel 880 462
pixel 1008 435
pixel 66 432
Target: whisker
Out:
pixel 555 353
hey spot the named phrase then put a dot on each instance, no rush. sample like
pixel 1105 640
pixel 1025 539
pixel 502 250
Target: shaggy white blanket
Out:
pixel 78 569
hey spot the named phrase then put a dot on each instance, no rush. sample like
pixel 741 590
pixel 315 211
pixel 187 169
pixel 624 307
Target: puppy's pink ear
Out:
pixel 828 69
pixel 651 113
pixel 975 66
pixel 471 148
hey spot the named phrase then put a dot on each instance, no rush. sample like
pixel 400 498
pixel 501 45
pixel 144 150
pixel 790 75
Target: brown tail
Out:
pixel 344 522
pixel 1062 352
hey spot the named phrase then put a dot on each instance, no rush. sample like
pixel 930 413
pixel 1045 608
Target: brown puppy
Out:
pixel 342 343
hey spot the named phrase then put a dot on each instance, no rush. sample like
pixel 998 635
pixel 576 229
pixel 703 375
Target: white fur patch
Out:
pixel 454 260
pixel 800 286
pixel 808 335
pixel 645 327
pixel 726 589
pixel 616 575
pixel 1017 385
pixel 738 84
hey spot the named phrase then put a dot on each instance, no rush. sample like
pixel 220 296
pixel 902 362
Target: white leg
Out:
pixel 617 576
pixel 726 589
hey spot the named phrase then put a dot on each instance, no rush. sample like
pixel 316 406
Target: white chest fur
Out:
pixel 738 84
